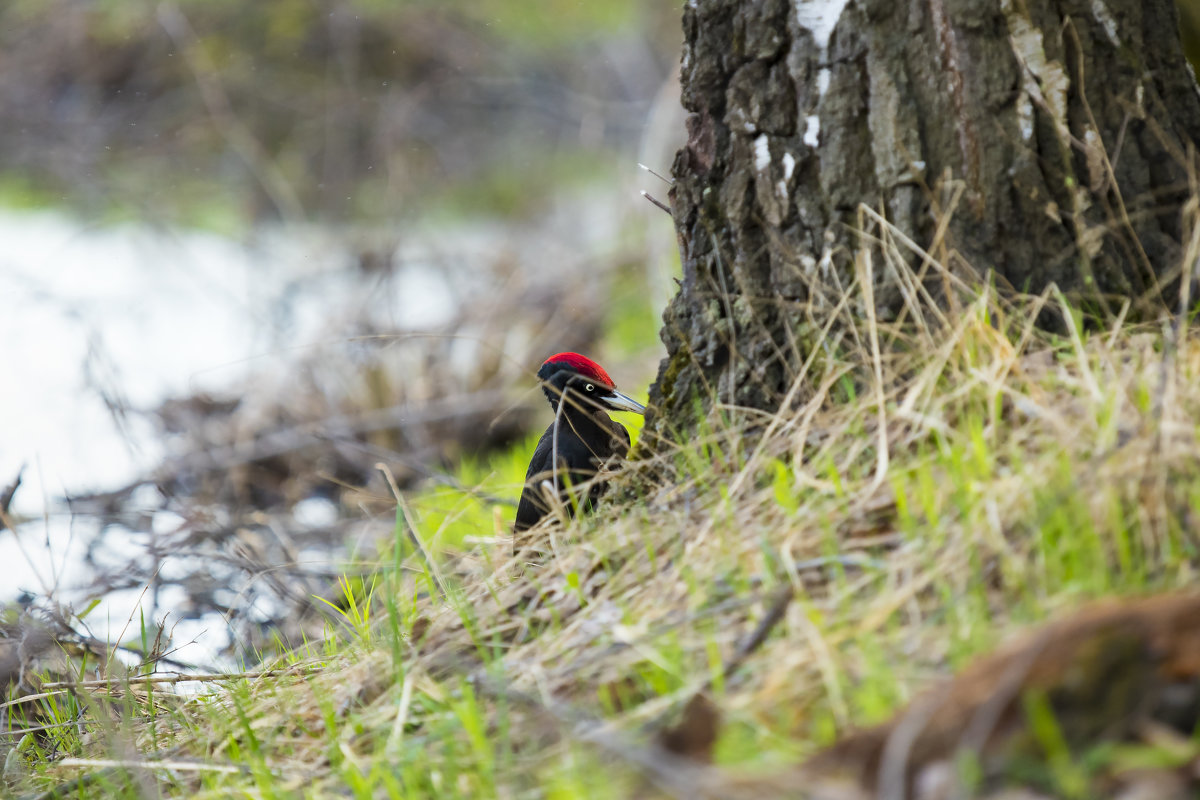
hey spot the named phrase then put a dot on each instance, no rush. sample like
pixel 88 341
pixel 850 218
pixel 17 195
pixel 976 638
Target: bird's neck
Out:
pixel 580 417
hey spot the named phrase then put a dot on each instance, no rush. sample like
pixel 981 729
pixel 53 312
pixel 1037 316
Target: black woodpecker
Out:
pixel 580 440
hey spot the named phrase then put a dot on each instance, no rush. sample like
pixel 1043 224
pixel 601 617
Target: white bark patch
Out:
pixel 819 17
pixel 762 153
pixel 1043 78
pixel 1025 116
pixel 770 189
pixel 1105 18
pixel 812 130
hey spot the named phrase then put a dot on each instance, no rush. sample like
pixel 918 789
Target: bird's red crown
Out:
pixel 583 365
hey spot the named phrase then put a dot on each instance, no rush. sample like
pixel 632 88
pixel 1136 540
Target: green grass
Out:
pixel 1025 476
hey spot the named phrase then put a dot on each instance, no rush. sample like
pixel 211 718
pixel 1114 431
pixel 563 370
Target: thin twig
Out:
pixel 665 180
pixel 775 614
pixel 411 529
pixel 657 202
pixel 56 688
pixel 206 678
pixel 180 766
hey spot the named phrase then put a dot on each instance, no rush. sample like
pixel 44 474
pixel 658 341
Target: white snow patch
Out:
pixel 762 153
pixel 315 512
pixel 164 522
pixel 1104 17
pixel 824 75
pixel 781 189
pixel 819 17
pixel 789 166
pixel 812 130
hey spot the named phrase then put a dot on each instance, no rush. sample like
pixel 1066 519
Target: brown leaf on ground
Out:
pixel 695 735
pixel 420 627
pixel 1107 673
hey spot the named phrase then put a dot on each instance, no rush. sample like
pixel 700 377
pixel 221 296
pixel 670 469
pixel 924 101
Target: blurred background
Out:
pixel 259 257
pixel 252 251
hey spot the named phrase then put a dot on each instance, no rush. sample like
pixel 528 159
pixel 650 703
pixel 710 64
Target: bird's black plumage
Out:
pixel 581 393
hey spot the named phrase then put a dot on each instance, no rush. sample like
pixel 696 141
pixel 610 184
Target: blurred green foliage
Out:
pixel 535 23
pixel 344 109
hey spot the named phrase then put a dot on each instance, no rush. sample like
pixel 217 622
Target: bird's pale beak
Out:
pixel 619 402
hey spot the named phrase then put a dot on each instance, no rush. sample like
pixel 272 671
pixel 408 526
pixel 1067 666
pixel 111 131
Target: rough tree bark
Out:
pixel 1056 134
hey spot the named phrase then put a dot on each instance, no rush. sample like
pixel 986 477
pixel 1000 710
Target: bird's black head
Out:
pixel 583 382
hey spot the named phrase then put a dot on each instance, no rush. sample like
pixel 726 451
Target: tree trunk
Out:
pixel 1055 136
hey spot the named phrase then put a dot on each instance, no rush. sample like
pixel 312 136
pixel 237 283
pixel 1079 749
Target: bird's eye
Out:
pixel 589 387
